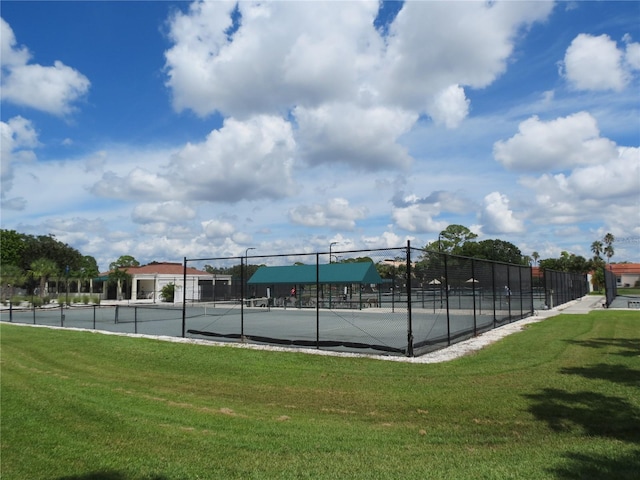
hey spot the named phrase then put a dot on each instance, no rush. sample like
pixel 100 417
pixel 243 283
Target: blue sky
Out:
pixel 171 129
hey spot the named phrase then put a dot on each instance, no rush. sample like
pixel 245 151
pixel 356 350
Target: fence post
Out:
pixel 531 289
pixel 242 299
pixel 446 297
pixel 94 317
pixel 508 294
pixel 10 311
pixel 473 292
pixel 493 287
pixel 62 315
pixel 135 320
pixel 409 289
pixel 184 298
pixel 318 300
pixel 520 281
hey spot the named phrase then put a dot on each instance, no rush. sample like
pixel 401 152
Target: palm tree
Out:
pixel 43 268
pixel 118 272
pixel 609 239
pixel 535 256
pixel 596 248
pixel 608 250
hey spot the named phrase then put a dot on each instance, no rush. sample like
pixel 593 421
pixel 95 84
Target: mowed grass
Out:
pixel 558 400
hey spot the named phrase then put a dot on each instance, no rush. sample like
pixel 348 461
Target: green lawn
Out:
pixel 628 291
pixel 559 400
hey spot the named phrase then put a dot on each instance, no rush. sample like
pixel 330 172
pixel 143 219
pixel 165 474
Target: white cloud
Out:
pixel 50 89
pixel 418 214
pixel 335 213
pixel 595 63
pixel 606 190
pixel 305 54
pixel 241 161
pixel 165 212
pixel 18 138
pixel 217 229
pixel 283 54
pixel 433 45
pixel 10 53
pixel 497 217
pixel 419 218
pixel 632 55
pixel 386 239
pixel 345 133
pixel 450 107
pixel 140 184
pixel 619 178
pixel 555 145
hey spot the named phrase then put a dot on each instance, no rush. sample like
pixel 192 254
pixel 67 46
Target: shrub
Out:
pixel 16 300
pixel 167 292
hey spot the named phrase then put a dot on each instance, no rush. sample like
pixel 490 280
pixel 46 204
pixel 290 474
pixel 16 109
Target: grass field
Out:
pixel 559 400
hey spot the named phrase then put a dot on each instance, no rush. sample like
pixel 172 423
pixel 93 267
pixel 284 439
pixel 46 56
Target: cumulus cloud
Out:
pixel 243 160
pixel 442 200
pixel 358 137
pixel 418 218
pixel 497 217
pixel 18 138
pixel 385 240
pixel 10 53
pixel 609 189
pixel 418 214
pixel 353 91
pixel 216 229
pixel 139 184
pixel 51 89
pixel 558 144
pixel 450 107
pixel 632 54
pixel 282 54
pixel 433 45
pixel 163 212
pixel 335 213
pixel 596 63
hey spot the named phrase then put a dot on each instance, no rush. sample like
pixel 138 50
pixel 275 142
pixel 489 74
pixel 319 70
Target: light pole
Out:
pixel 330 246
pixel 246 263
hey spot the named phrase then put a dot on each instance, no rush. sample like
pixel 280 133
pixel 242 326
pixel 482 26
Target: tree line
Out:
pixel 29 261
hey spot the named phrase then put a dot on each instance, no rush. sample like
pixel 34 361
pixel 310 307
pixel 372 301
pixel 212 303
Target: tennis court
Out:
pixel 369 330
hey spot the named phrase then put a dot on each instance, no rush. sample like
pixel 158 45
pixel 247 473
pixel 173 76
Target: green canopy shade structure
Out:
pixel 334 273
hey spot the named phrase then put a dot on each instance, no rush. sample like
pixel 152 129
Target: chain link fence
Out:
pixel 395 301
pixel 610 286
pixel 562 287
pixel 422 301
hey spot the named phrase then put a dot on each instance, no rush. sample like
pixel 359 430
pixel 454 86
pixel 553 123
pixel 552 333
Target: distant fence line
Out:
pixel 423 301
pixel 562 287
